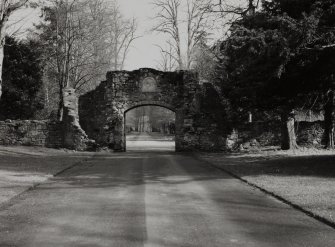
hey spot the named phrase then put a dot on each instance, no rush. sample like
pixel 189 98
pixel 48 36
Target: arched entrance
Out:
pixel 102 111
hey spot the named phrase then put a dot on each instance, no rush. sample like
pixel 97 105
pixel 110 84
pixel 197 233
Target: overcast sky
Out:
pixel 144 52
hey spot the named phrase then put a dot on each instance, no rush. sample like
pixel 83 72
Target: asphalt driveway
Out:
pixel 153 199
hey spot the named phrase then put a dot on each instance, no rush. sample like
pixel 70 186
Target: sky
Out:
pixel 144 51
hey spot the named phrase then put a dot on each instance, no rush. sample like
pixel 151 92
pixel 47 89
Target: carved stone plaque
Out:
pixel 149 85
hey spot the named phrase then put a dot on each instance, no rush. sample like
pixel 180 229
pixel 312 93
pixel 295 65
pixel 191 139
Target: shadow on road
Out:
pixel 155 198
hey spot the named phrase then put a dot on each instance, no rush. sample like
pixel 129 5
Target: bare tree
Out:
pixel 169 23
pixel 196 28
pixel 86 39
pixel 167 61
pixel 228 11
pixel 186 24
pixel 7 7
pixel 74 34
pixel 121 34
pixel 235 7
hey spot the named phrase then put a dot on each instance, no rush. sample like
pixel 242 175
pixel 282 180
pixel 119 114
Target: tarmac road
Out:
pixel 149 141
pixel 153 199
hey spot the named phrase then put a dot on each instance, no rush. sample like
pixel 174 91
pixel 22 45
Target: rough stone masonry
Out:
pixel 102 111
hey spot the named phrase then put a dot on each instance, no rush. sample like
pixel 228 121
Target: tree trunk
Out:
pixel 2 52
pixel 289 139
pixel 1 64
pixel 116 56
pixel 250 117
pixel 329 120
pixel 60 106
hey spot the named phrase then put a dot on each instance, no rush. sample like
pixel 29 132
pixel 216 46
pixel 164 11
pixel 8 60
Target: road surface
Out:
pixel 149 141
pixel 153 199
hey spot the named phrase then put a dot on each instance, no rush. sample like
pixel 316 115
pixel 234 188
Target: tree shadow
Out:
pixel 322 166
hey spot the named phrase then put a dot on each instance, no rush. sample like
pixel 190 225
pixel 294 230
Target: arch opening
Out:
pixel 150 103
pixel 150 127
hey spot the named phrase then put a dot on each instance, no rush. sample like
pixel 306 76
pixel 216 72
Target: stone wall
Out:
pixel 203 130
pixel 260 134
pixel 74 136
pixel 65 134
pixel 31 133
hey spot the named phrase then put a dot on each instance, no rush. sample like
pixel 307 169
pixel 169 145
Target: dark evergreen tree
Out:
pixel 22 80
pixel 269 55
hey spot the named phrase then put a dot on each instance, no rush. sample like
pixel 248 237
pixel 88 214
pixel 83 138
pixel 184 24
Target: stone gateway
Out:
pixel 102 111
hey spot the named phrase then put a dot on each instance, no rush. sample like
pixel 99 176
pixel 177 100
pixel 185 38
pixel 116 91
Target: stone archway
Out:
pixel 102 111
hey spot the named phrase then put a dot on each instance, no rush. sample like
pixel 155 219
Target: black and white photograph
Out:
pixel 167 123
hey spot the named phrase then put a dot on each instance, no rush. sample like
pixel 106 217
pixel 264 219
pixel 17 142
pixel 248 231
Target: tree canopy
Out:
pixel 276 58
pixel 22 79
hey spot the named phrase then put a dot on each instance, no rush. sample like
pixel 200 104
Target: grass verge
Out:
pixel 23 168
pixel 304 179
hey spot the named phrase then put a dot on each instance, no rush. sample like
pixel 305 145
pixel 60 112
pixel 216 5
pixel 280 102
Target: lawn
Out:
pixel 304 178
pixel 23 167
